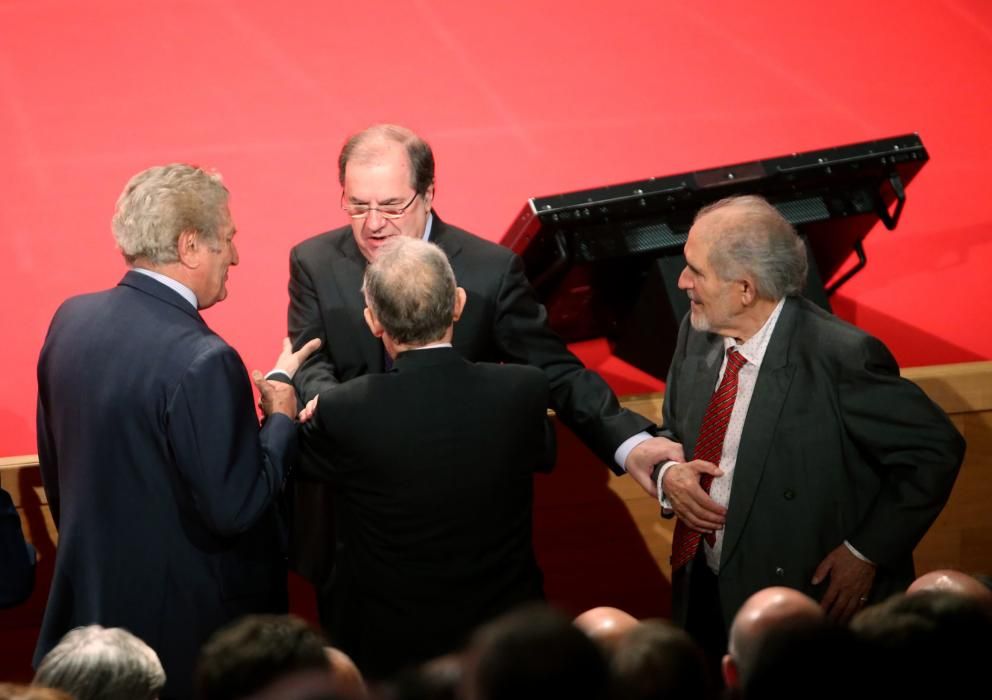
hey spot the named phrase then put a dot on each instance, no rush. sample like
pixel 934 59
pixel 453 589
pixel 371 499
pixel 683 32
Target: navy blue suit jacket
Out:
pixel 159 479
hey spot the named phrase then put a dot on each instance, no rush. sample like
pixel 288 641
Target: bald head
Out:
pixel 605 626
pixel 768 610
pixel 955 582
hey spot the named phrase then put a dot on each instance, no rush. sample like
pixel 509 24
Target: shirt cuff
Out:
pixel 278 373
pixel 666 505
pixel 856 553
pixel 627 446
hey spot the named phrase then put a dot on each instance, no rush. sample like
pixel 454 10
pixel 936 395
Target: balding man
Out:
pixel 953 581
pixel 606 626
pixel 812 464
pixel 431 466
pixel 770 610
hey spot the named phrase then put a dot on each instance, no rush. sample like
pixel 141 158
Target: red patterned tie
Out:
pixel 709 447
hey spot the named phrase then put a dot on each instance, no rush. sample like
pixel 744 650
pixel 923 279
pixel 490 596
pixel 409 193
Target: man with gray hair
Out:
pixel 431 466
pixel 809 462
pixel 99 663
pixel 160 481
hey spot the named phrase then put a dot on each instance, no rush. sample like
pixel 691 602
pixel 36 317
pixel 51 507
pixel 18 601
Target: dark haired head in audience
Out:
pixel 277 656
pixel 439 679
pixel 11 691
pixel 106 663
pixel 658 661
pixel 605 626
pixel 534 653
pixel 929 643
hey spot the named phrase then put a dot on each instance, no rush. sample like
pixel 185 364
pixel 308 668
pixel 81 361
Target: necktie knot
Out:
pixel 735 360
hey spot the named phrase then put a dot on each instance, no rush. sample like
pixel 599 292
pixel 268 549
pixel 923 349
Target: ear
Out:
pixel 729 670
pixel 429 197
pixel 748 291
pixel 188 248
pixel 373 323
pixel 460 298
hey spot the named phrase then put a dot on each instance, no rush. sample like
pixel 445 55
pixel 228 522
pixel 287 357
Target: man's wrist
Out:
pixel 627 446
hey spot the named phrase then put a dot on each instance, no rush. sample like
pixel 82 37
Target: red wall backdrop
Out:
pixel 518 99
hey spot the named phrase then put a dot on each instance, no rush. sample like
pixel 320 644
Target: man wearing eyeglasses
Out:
pixel 387 176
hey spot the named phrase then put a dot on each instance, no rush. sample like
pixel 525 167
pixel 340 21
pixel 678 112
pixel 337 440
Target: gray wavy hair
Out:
pixel 755 239
pixel 160 203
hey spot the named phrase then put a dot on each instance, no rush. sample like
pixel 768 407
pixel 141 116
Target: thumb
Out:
pixel 263 386
pixel 708 468
pixel 307 350
pixel 821 571
pixel 287 346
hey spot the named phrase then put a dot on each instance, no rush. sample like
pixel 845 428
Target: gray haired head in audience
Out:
pixel 108 663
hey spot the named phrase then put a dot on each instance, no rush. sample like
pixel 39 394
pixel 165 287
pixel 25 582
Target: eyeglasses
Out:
pixel 361 211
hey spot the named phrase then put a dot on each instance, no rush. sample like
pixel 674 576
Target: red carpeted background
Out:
pixel 518 99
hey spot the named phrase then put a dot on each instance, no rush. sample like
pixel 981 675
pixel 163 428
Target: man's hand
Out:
pixel 693 505
pixel 275 397
pixel 642 459
pixel 850 583
pixel 289 361
pixel 308 410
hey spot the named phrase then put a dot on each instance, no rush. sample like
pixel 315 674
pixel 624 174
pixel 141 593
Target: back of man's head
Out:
pixel 606 626
pixel 97 662
pixel 410 289
pixel 535 653
pixel 658 661
pixel 929 642
pixel 755 241
pixel 952 581
pixel 162 202
pixel 256 652
pixel 766 611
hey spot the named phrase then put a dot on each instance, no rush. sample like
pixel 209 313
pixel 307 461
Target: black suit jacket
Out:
pixel 432 468
pixel 502 322
pixel 835 446
pixel 159 479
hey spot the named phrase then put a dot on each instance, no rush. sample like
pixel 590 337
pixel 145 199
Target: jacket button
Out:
pixel 789 494
pixel 779 571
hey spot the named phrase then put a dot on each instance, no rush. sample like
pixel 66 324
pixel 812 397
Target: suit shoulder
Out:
pixel 475 246
pixel 516 374
pixel 321 243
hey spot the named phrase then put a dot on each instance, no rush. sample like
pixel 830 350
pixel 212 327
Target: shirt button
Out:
pixel 779 571
pixel 789 494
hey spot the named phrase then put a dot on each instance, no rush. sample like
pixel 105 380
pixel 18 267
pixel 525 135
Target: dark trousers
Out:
pixel 704 618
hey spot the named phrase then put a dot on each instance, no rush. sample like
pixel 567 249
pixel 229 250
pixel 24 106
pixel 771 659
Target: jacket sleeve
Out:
pixel 234 470
pixel 305 323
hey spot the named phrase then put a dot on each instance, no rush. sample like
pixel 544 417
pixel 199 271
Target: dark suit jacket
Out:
pixel 502 322
pixel 432 468
pixel 159 479
pixel 17 557
pixel 835 446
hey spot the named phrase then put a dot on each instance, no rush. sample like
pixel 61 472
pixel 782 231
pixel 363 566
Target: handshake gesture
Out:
pixel 280 397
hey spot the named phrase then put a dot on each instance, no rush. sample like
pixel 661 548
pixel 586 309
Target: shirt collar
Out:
pixel 753 349
pixel 176 286
pixel 427 226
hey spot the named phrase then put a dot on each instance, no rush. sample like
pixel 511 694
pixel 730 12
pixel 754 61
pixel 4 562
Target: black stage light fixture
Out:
pixel 605 261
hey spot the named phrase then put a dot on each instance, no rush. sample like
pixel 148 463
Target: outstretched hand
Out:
pixel 275 397
pixel 289 361
pixel 641 460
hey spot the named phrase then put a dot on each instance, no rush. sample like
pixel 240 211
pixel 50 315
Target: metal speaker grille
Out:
pixel 804 211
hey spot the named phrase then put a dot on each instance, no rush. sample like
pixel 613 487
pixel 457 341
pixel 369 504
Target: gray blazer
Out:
pixel 836 446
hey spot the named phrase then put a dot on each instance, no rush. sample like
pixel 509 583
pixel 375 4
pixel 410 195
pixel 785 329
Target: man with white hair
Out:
pixel 99 663
pixel 160 480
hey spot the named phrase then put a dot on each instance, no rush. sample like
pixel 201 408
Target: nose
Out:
pixel 234 254
pixel 685 279
pixel 375 221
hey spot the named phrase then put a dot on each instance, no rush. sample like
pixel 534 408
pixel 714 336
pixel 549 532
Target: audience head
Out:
pixel 12 691
pixel 387 177
pixel 741 256
pixel 605 626
pixel 953 582
pixel 534 653
pixel 438 679
pixel 767 610
pixel 346 680
pixel 929 642
pixel 659 661
pixel 260 652
pixel 99 662
pixel 410 294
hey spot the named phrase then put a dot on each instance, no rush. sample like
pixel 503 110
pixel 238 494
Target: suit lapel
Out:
pixel 348 272
pixel 700 370
pixel 440 237
pixel 770 391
